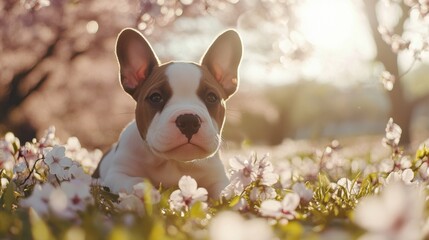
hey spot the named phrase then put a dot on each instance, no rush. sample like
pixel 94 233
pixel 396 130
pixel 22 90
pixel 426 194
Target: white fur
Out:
pixel 135 159
pixel 163 134
pixel 165 154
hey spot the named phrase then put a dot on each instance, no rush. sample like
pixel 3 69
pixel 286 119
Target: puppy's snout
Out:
pixel 188 124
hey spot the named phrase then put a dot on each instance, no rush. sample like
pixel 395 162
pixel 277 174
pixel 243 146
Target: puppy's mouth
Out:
pixel 184 152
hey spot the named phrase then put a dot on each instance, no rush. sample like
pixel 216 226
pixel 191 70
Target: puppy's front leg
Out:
pixel 216 189
pixel 119 182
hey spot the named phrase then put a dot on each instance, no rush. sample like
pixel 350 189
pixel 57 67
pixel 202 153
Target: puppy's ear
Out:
pixel 136 59
pixel 222 60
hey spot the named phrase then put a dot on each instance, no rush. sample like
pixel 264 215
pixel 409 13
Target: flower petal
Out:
pixel 236 163
pixel 271 208
pixel 188 186
pixel 290 201
pixel 200 195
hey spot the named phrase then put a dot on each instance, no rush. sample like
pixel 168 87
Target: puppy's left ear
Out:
pixel 223 58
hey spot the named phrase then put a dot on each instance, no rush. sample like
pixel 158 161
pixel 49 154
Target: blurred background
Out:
pixel 311 69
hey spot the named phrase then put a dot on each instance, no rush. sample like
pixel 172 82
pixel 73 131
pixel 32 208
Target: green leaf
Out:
pixel 197 211
pixel 8 197
pixel 119 233
pixel 234 201
pixel 294 230
pixel 15 147
pixel 148 204
pixel 39 229
pixel 158 231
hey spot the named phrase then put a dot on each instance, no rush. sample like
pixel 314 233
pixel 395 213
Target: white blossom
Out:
pixel 393 134
pixel 130 202
pixel 262 193
pixel 405 176
pixel 187 194
pixel 39 198
pixel 284 209
pixel 246 171
pixel 304 193
pixel 395 214
pixel 57 161
pixel 232 226
pixel 347 184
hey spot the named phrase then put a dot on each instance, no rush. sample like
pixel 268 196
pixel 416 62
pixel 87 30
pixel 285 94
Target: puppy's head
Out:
pixel 180 105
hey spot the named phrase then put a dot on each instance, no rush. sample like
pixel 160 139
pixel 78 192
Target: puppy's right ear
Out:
pixel 136 59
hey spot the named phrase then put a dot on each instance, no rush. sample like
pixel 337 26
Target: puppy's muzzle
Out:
pixel 188 124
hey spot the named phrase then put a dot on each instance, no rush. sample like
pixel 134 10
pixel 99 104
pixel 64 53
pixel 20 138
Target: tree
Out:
pixel 44 38
pixel 388 43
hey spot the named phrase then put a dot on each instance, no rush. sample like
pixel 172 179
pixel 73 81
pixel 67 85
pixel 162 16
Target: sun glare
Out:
pixel 328 23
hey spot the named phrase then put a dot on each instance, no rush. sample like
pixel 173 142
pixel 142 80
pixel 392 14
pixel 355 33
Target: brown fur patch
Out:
pixel 145 111
pixel 209 84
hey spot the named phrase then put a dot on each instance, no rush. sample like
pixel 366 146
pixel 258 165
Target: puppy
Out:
pixel 179 115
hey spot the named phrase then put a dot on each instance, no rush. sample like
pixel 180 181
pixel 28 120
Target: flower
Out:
pixel 134 202
pixel 285 172
pixel 262 193
pixel 281 210
pixel 187 194
pixel 304 193
pixel 78 194
pixel 140 191
pixel 266 173
pixel 351 187
pixel 232 226
pixel 64 201
pixel 69 198
pixel 58 162
pixel 388 80
pixel 130 202
pixel 77 172
pixel 394 214
pixel 7 150
pixel 393 134
pixel 245 171
pixel 405 176
pixel 48 138
pixel 39 198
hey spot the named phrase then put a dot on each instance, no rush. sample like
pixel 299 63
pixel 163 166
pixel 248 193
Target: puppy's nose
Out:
pixel 188 124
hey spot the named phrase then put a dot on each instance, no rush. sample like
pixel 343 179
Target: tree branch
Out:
pixel 13 97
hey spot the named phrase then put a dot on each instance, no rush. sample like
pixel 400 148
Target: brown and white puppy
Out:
pixel 179 115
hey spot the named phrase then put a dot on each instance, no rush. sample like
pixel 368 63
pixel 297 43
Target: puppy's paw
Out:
pixel 121 183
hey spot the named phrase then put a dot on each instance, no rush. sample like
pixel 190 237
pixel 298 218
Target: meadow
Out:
pixel 300 192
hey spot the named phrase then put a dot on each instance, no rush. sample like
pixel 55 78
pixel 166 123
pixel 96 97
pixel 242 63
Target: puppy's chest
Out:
pixel 168 173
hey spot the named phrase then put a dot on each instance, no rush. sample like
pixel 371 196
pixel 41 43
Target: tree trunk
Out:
pixel 400 108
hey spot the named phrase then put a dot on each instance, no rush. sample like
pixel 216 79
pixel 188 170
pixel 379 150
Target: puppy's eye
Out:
pixel 156 98
pixel 211 98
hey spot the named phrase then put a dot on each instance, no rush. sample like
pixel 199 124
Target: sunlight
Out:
pixel 329 23
pixel 340 40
